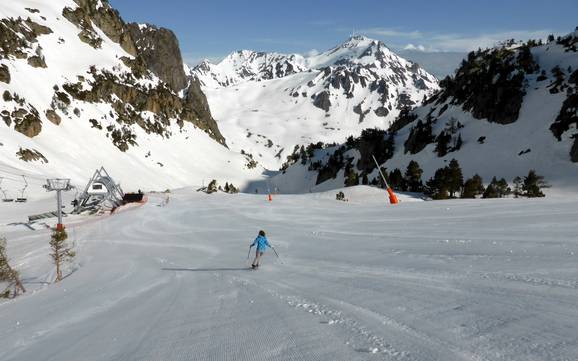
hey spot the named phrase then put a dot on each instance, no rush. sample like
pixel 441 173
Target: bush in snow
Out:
pixel 8 274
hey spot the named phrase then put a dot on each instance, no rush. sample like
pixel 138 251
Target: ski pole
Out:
pixel 249 253
pixel 276 254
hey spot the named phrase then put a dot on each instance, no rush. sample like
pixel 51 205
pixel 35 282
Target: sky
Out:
pixel 212 29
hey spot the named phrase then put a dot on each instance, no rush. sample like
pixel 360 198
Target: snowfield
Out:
pixel 358 280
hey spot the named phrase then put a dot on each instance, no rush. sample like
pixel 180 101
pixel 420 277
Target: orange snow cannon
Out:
pixel 392 197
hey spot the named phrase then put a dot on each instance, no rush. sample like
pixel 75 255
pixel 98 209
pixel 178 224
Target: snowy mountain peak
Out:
pixel 276 101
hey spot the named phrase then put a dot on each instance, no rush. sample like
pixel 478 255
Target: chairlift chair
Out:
pixel 5 198
pixel 22 198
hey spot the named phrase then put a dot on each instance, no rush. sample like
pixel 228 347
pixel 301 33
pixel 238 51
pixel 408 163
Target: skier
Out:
pixel 262 244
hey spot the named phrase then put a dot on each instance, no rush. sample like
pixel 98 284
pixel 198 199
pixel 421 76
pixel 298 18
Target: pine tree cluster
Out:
pixel 448 182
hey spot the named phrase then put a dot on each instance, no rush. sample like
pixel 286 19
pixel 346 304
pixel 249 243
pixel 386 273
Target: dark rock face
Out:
pixel 31 155
pixel 53 117
pixel 105 17
pixel 574 150
pixel 24 116
pixel 197 102
pixel 381 112
pixel 4 74
pixel 568 116
pixel 322 101
pixel 160 50
pixel 18 37
pixel 27 122
pixel 359 111
pixel 37 62
pixel 129 99
pixel 156 50
pixel 490 83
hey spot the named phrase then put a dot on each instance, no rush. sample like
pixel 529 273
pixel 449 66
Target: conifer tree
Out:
pixel 9 274
pixel 442 142
pixel 473 187
pixel 437 186
pixel 517 187
pixel 413 175
pixel 491 190
pixel 396 180
pixel 532 185
pixel 352 179
pixel 459 143
pixel 503 188
pixel 61 251
pixel 455 178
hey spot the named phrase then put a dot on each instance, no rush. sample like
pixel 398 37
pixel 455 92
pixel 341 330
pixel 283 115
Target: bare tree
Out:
pixel 61 251
pixel 9 274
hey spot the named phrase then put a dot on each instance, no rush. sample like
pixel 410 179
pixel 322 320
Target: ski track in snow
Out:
pixel 455 280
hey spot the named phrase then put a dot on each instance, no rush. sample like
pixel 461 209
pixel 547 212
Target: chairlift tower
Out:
pixel 58 185
pixel 101 191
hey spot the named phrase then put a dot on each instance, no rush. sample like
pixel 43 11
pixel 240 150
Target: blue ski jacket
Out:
pixel 261 243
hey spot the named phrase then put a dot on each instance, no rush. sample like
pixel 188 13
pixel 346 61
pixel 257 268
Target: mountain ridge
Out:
pixel 78 82
pixel 506 110
pixel 289 100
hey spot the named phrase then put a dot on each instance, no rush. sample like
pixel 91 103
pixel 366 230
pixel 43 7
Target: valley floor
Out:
pixel 447 280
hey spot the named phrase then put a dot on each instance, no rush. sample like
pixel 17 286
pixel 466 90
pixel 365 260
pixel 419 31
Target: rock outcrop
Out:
pixel 490 83
pixel 4 74
pixel 31 155
pixel 105 17
pixel 160 50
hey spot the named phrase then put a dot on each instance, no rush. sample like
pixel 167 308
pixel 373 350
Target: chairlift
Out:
pixel 22 198
pixel 5 198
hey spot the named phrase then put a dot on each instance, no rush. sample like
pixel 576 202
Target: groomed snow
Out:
pixel 359 280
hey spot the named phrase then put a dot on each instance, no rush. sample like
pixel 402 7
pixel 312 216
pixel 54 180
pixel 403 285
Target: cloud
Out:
pixel 312 52
pixel 418 47
pixel 457 42
pixel 432 42
pixel 391 33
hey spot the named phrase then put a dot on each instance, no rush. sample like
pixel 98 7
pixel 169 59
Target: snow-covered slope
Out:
pixel 266 104
pixel 469 280
pixel 82 89
pixel 507 110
